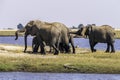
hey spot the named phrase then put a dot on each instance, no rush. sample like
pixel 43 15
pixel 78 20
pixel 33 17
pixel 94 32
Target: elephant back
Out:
pixel 108 28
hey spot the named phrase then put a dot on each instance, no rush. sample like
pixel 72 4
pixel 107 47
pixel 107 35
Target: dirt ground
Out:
pixel 15 50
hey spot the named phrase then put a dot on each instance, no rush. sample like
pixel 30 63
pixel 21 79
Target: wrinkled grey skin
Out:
pixel 51 33
pixel 98 34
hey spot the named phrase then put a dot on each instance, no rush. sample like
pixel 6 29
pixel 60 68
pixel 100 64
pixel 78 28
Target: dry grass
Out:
pixel 8 33
pixel 82 62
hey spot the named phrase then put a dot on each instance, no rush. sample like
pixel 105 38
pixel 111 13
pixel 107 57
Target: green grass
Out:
pixel 117 34
pixel 98 62
pixel 8 33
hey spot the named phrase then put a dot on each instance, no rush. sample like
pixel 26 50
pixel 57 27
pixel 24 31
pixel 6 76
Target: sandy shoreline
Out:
pixel 7 48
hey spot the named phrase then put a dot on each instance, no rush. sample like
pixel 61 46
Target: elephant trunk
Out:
pixel 73 32
pixel 25 39
pixel 16 33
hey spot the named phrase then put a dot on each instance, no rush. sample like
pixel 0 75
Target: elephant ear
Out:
pixel 88 30
pixel 38 24
pixel 30 24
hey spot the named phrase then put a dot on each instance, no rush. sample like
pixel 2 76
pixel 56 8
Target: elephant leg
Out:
pixel 56 50
pixel 50 49
pixel 36 48
pixel 67 48
pixel 61 48
pixel 108 47
pixel 112 48
pixel 72 44
pixel 41 44
pixel 92 44
pixel 42 49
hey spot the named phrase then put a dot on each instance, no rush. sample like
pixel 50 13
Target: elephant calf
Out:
pixel 35 45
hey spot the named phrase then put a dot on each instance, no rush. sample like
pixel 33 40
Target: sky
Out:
pixel 69 12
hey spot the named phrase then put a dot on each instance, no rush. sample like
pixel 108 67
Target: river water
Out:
pixel 56 76
pixel 80 42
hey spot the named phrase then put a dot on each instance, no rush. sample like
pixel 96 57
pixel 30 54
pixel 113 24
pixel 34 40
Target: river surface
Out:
pixel 80 42
pixel 56 76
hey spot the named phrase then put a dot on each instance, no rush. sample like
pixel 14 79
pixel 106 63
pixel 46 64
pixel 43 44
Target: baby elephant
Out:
pixel 35 45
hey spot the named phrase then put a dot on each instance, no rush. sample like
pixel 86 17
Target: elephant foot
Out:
pixel 74 51
pixel 43 53
pixel 56 53
pixel 94 50
pixel 112 51
pixel 24 51
pixel 35 52
pixel 107 51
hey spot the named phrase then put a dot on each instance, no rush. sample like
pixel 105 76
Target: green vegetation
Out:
pixel 8 33
pixel 82 62
pixel 117 34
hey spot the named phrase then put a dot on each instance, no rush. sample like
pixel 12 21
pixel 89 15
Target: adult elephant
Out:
pixel 98 34
pixel 66 39
pixel 44 33
pixel 51 33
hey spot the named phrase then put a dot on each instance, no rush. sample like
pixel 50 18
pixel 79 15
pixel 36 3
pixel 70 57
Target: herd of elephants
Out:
pixel 59 37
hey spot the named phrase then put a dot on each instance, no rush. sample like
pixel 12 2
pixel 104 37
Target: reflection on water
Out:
pixel 81 42
pixel 56 76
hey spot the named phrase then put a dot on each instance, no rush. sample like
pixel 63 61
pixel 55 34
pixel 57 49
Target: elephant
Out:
pixel 98 34
pixel 35 45
pixel 62 48
pixel 51 33
pixel 44 33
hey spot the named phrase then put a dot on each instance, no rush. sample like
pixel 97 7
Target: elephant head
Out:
pixel 84 31
pixel 30 29
pixel 81 32
pixel 88 30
